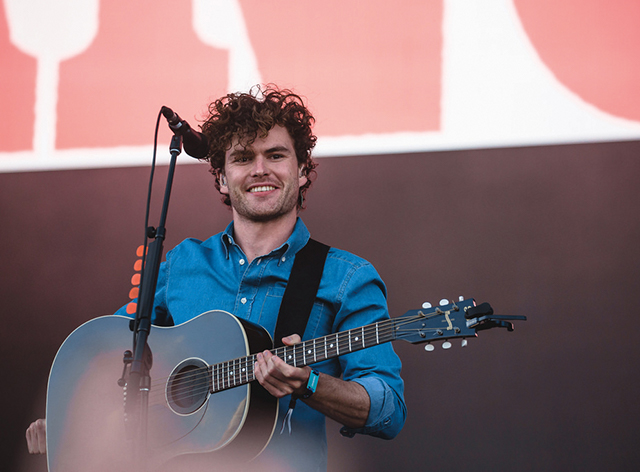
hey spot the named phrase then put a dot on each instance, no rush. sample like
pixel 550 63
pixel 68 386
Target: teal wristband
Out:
pixel 312 384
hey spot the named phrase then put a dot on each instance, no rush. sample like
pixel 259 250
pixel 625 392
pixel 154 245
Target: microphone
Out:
pixel 195 143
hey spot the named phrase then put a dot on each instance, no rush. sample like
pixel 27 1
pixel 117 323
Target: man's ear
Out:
pixel 222 179
pixel 302 179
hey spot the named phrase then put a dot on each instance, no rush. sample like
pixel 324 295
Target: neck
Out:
pixel 257 238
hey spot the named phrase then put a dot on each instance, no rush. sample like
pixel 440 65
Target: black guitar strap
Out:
pixel 301 290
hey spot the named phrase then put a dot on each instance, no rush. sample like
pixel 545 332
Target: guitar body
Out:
pixel 85 404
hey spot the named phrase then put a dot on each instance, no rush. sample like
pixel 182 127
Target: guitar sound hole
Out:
pixel 188 386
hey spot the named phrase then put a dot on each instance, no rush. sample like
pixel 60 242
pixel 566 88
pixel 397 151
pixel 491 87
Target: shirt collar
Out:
pixel 298 239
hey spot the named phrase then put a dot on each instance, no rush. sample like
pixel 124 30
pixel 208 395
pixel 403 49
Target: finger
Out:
pixel 270 377
pixel 272 385
pixel 270 368
pixel 28 436
pixel 32 439
pixel 280 370
pixel 42 435
pixel 291 339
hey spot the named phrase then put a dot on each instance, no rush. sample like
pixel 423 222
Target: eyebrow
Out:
pixel 278 148
pixel 240 152
pixel 245 151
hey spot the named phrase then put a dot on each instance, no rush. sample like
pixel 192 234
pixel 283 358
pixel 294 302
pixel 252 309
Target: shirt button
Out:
pixel 283 258
pixel 243 300
pixel 241 262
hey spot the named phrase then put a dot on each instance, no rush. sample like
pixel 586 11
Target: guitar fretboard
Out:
pixel 239 371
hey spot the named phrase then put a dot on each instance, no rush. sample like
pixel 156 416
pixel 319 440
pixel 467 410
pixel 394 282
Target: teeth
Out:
pixel 264 188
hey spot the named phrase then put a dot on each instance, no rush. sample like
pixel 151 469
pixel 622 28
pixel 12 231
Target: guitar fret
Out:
pixel 325 347
pixel 308 353
pixel 253 368
pixel 245 370
pixel 233 373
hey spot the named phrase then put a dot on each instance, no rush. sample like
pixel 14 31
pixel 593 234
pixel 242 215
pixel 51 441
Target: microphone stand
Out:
pixel 139 377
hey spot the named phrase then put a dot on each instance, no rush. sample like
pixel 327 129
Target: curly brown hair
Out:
pixel 247 116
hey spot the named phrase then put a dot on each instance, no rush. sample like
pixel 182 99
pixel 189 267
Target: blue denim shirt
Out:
pixel 199 276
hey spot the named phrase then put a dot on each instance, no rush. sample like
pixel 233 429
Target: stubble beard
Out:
pixel 260 212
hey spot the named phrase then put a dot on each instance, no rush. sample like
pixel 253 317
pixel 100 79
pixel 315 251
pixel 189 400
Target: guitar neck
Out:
pixel 239 371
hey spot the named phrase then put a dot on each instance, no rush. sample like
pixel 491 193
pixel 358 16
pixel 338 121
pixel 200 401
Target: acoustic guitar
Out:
pixel 203 398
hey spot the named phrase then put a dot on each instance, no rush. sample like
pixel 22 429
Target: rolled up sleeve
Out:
pixel 387 412
pixel 377 368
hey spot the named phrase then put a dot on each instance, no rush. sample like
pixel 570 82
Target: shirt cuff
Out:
pixel 381 410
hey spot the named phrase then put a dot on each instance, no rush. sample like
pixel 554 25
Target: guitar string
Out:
pixel 229 368
pixel 226 373
pixel 237 372
pixel 298 348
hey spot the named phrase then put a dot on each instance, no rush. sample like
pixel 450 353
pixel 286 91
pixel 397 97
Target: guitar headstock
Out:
pixel 461 319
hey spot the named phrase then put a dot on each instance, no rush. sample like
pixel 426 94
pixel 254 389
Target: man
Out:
pixel 260 156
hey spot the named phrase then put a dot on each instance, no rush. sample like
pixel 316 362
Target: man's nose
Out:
pixel 259 166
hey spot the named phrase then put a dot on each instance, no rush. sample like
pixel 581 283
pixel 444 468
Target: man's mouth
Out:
pixel 262 188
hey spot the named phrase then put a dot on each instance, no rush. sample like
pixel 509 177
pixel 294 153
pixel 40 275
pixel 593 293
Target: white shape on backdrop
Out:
pixel 510 97
pixel 220 23
pixel 51 31
pixel 496 92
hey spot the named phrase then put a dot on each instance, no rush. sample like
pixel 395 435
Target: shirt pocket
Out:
pixel 270 308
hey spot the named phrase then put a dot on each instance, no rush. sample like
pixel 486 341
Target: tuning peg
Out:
pixel 464 343
pixel 444 302
pixel 460 298
pixel 429 347
pixel 446 345
pixel 426 305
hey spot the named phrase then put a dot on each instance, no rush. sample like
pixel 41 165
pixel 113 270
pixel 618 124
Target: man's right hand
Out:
pixel 37 437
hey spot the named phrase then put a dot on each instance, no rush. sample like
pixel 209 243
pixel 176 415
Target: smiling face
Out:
pixel 262 179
